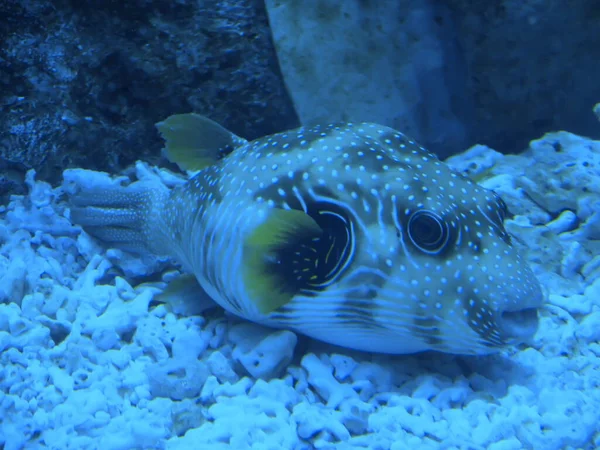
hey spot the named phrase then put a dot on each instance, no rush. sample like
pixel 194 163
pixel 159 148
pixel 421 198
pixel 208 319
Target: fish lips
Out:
pixel 519 325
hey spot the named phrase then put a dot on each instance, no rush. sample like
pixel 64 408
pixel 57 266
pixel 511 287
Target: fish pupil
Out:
pixel 428 231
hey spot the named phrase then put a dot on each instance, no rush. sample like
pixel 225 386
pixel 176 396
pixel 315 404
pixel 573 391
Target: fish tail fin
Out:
pixel 119 216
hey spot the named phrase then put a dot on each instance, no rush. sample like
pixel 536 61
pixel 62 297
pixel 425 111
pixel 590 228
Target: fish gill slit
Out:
pixel 488 218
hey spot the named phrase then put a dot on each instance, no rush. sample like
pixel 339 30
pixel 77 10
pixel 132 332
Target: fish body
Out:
pixel 352 234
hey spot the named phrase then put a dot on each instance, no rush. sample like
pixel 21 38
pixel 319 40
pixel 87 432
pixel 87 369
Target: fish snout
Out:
pixel 518 325
pixel 519 321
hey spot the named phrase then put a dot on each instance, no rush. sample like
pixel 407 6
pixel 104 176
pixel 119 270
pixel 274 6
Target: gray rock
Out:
pixel 82 83
pixel 449 74
pixel 389 62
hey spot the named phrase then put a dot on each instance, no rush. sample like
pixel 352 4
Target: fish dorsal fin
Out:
pixel 194 142
pixel 265 274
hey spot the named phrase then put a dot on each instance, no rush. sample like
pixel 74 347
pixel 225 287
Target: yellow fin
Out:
pixel 194 142
pixel 269 283
pixel 184 296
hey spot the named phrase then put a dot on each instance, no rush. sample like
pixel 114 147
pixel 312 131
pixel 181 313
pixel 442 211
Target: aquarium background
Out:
pixel 503 90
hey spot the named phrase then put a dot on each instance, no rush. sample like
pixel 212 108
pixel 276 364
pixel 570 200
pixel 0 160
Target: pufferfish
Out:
pixel 351 234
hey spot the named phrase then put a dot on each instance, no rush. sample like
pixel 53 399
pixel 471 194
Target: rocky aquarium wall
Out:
pixel 97 353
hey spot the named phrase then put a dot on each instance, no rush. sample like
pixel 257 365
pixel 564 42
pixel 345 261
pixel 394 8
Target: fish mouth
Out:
pixel 519 326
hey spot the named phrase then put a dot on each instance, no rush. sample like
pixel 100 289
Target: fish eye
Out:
pixel 428 231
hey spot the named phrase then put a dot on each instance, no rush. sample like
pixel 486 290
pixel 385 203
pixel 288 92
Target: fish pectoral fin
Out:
pixel 184 296
pixel 270 282
pixel 194 142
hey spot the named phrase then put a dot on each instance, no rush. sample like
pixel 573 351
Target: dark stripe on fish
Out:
pixel 428 329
